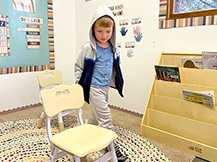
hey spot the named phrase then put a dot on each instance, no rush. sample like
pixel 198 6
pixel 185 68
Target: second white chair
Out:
pixel 48 79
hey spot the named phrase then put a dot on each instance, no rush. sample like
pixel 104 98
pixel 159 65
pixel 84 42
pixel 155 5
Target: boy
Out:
pixel 97 68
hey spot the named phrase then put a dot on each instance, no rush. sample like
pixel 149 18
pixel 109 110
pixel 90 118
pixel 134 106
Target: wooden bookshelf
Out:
pixel 184 125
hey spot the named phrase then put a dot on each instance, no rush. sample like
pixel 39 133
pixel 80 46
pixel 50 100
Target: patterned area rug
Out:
pixel 22 141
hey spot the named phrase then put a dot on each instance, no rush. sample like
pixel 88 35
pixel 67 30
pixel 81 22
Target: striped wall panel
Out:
pixel 185 22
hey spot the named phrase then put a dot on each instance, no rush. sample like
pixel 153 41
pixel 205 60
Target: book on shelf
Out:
pixel 209 59
pixel 168 73
pixel 192 62
pixel 201 97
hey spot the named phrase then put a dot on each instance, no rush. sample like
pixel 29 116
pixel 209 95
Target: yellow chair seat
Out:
pixel 91 138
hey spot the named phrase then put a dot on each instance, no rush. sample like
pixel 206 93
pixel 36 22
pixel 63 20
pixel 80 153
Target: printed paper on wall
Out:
pixel 4 36
pixel 24 5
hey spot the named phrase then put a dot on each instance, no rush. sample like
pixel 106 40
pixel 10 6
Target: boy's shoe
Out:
pixel 120 156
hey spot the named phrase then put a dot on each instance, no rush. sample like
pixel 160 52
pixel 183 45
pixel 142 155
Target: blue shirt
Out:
pixel 103 67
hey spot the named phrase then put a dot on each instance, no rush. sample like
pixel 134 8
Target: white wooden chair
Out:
pixel 48 79
pixel 82 139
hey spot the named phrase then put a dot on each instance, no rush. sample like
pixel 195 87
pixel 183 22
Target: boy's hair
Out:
pixel 104 21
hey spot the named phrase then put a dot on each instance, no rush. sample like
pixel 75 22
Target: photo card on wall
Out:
pixel 4 36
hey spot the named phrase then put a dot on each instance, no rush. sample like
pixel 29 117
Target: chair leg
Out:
pixel 112 149
pixel 60 120
pixel 76 159
pixel 41 120
pixel 79 117
pixel 48 130
pixel 83 159
pixel 61 126
pixel 53 154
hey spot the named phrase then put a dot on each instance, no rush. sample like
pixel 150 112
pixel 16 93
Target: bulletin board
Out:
pixel 26 36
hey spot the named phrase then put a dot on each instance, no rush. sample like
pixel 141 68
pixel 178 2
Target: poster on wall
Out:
pixel 118 44
pixel 130 48
pixel 130 44
pixel 31 36
pixel 31 20
pixel 137 20
pixel 4 36
pixel 117 10
pixel 24 5
pixel 123 23
pixel 137 29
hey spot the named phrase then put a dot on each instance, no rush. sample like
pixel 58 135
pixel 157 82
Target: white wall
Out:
pixel 22 89
pixel 18 90
pixel 138 71
pixel 64 30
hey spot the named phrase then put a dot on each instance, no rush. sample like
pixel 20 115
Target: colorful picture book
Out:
pixel 192 62
pixel 209 60
pixel 167 73
pixel 201 97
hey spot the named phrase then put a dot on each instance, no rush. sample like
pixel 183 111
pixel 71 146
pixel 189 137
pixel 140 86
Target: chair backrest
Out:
pixel 49 77
pixel 62 97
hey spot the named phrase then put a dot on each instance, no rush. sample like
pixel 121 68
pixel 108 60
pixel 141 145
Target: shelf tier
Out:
pixel 172 89
pixel 184 125
pixel 191 146
pixel 184 109
pixel 188 128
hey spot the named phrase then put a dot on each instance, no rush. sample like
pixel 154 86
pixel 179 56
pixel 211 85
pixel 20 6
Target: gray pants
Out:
pixel 100 112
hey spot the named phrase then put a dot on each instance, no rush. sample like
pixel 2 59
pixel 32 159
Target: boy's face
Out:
pixel 102 34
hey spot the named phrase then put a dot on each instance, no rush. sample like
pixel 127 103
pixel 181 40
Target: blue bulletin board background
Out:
pixel 20 56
